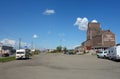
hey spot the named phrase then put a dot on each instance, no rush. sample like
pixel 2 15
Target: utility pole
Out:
pixel 19 43
pixel 32 45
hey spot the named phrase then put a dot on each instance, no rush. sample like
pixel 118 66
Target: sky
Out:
pixel 50 23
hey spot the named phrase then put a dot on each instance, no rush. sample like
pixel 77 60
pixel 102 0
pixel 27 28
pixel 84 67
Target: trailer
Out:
pixel 114 52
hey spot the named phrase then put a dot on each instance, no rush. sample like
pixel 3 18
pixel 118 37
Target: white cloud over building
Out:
pixel 82 23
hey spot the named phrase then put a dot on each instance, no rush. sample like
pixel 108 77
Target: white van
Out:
pixel 102 54
pixel 22 54
pixel 114 52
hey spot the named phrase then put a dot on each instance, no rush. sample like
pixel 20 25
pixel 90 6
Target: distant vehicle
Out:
pixel 5 55
pixel 114 52
pixel 102 54
pixel 70 52
pixel 22 54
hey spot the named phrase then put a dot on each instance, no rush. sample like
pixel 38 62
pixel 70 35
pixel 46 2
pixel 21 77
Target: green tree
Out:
pixel 59 48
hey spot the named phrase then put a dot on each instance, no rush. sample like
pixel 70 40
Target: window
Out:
pixel 20 52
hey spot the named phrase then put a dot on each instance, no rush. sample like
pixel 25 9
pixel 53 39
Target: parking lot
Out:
pixel 61 66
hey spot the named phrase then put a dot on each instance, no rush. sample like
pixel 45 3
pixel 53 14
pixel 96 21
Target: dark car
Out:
pixel 5 55
pixel 70 52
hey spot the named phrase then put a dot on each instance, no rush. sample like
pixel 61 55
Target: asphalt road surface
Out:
pixel 60 66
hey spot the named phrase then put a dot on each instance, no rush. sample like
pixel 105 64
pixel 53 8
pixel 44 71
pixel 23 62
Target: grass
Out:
pixel 6 59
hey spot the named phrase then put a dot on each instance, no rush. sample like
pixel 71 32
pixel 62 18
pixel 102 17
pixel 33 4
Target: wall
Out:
pixel 108 39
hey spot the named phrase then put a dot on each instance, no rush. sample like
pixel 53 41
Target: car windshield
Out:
pixel 20 52
pixel 105 52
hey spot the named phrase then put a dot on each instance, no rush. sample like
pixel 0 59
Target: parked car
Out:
pixel 102 54
pixel 5 55
pixel 70 52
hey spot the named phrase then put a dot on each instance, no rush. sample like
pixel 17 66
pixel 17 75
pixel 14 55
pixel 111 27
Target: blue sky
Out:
pixel 50 23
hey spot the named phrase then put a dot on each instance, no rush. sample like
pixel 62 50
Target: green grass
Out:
pixel 6 59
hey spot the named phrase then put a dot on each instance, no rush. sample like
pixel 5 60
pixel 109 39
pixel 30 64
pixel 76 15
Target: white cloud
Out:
pixel 49 12
pixel 8 42
pixel 13 43
pixel 94 21
pixel 81 23
pixel 35 36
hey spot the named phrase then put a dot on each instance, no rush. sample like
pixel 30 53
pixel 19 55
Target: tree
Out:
pixel 64 49
pixel 59 48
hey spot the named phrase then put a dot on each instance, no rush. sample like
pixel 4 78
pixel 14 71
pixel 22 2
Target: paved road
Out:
pixel 59 66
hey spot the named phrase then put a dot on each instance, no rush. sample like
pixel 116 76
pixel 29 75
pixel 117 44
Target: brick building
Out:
pixel 93 30
pixel 97 38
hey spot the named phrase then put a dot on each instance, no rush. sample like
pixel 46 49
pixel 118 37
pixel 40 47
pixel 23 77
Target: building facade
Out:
pixel 97 38
pixel 93 30
pixel 5 49
pixel 104 40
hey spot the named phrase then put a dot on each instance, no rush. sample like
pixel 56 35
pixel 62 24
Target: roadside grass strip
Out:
pixel 6 59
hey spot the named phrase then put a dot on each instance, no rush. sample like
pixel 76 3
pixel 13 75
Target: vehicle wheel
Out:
pixel 104 56
pixel 98 56
pixel 110 58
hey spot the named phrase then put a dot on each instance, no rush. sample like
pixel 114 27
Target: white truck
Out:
pixel 114 52
pixel 22 54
